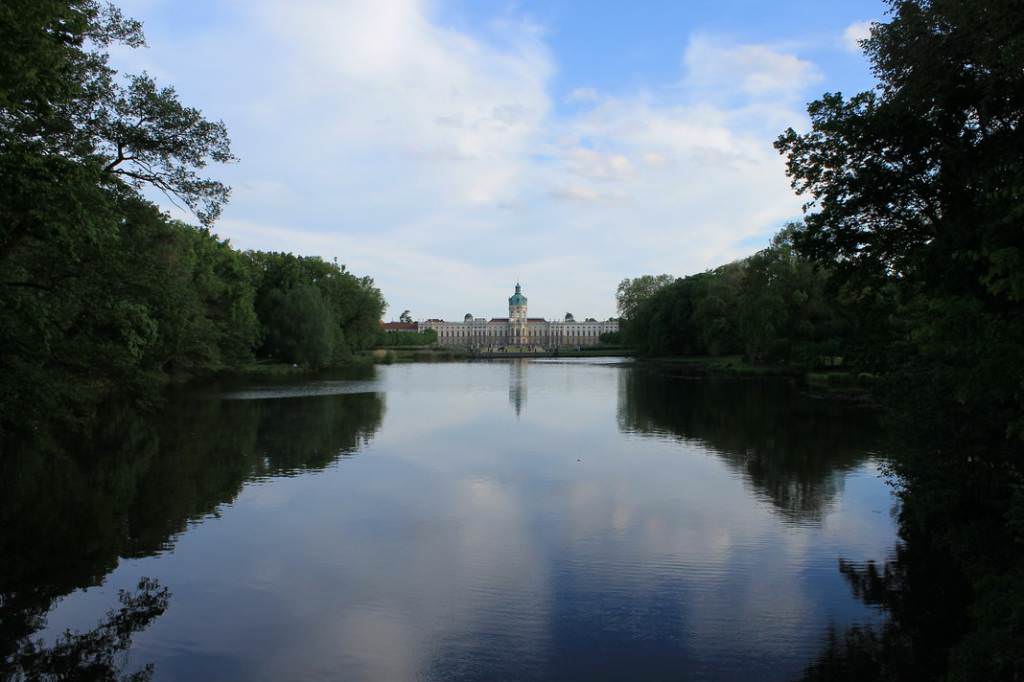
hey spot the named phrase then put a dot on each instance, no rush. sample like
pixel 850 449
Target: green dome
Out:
pixel 517 298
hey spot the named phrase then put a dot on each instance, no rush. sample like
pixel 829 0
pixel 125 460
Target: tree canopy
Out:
pixel 771 307
pixel 631 293
pixel 100 292
pixel 916 194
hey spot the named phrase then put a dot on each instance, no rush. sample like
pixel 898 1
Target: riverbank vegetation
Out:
pixel 101 293
pixel 916 194
pixel 773 308
pixel 908 266
pixel 425 338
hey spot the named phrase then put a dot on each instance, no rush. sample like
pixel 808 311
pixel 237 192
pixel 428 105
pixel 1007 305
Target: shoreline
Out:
pixel 830 384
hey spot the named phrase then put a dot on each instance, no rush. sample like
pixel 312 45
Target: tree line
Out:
pixel 773 307
pixel 101 293
pixel 909 263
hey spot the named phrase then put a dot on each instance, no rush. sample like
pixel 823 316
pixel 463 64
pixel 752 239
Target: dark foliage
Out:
pixel 311 311
pixel 101 294
pixel 771 307
pixel 427 337
pixel 72 509
pixel 909 266
pixel 917 189
pixel 93 655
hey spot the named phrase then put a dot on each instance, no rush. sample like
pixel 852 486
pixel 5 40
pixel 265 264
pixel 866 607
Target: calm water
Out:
pixel 480 521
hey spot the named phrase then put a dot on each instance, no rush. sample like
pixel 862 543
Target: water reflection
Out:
pixel 69 515
pixel 98 654
pixel 926 600
pixel 517 384
pixel 795 451
pixel 626 526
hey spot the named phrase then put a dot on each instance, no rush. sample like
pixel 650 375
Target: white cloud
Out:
pixel 395 86
pixel 439 163
pixel 576 192
pixel 577 95
pixel 854 33
pixel 753 70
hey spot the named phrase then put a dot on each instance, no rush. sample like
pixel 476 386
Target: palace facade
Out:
pixel 518 329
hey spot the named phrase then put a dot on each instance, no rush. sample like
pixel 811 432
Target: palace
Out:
pixel 518 329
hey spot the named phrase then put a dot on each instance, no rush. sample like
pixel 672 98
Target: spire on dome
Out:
pixel 517 298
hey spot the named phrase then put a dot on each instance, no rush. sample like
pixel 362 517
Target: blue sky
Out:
pixel 447 148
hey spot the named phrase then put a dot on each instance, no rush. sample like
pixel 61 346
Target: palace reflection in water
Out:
pixel 629 524
pixel 517 384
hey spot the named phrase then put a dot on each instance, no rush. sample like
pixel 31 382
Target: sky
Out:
pixel 448 148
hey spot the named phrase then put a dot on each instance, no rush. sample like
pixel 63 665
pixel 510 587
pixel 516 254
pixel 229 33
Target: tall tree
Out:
pixel 922 177
pixel 917 188
pixel 631 293
pixel 350 306
pixel 77 143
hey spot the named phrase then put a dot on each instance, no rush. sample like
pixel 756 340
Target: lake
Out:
pixel 505 520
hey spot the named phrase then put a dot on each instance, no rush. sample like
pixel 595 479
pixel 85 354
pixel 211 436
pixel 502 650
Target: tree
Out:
pixel 102 294
pixel 631 293
pixel 147 137
pixel 353 305
pixel 918 184
pixel 916 193
pixel 80 313
pixel 771 307
pixel 61 98
pixel 921 177
pixel 715 315
pixel 300 326
pixel 405 317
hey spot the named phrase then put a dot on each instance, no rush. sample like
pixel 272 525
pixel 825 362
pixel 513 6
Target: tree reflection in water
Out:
pixel 92 655
pixel 794 451
pixel 69 511
pixel 924 598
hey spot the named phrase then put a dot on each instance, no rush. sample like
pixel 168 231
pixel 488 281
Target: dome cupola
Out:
pixel 517 298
